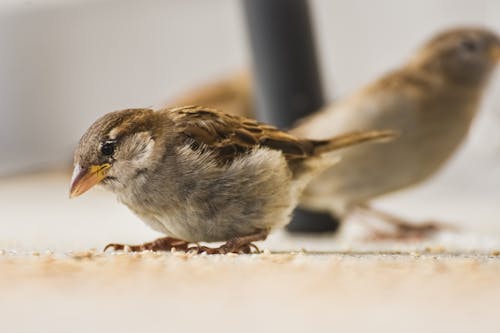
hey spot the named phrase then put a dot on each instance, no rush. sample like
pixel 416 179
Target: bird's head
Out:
pixel 116 148
pixel 464 56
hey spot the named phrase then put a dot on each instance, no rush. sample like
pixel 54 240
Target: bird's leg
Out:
pixel 160 244
pixel 404 230
pixel 235 245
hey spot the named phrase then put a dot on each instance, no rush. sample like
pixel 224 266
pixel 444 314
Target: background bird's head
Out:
pixel 117 148
pixel 463 56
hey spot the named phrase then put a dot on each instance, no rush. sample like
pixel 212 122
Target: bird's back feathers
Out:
pixel 229 136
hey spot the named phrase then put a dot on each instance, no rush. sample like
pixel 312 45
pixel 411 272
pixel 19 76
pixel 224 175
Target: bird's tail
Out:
pixel 350 139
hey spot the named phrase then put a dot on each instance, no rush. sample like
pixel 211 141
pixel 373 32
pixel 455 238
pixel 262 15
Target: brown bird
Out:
pixel 431 100
pixel 233 94
pixel 199 175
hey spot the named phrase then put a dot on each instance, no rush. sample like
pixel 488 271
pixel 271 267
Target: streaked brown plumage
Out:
pixel 196 174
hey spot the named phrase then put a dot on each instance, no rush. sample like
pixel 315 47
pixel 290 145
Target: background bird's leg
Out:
pixel 160 244
pixel 235 245
pixel 404 229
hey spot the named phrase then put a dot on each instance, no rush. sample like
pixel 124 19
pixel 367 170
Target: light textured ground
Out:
pixel 51 282
pixel 275 293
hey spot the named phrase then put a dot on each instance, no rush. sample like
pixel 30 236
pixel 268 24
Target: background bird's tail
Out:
pixel 350 139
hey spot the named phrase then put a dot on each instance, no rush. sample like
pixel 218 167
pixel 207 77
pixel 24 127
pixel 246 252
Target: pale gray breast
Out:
pixel 199 200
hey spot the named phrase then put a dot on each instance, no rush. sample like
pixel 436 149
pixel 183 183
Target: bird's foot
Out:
pixel 160 244
pixel 235 245
pixel 403 230
pixel 406 231
pixel 228 247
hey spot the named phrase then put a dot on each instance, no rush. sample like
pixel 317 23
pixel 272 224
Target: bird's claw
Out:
pixel 116 247
pixel 228 247
pixel 408 232
pixel 160 244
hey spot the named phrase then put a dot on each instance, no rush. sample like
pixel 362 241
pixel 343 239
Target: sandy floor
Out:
pixel 292 292
pixel 51 282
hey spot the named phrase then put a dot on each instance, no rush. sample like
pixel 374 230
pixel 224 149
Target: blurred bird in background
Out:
pixel 432 100
pixel 232 94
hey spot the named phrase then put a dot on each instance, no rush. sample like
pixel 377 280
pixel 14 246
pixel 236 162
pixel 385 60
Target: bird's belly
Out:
pixel 240 200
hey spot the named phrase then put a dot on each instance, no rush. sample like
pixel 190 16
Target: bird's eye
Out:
pixel 469 45
pixel 108 148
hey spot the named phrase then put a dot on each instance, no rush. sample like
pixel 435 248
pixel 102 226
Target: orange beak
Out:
pixel 84 179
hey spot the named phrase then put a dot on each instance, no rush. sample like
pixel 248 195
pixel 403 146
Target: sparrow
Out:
pixel 431 100
pixel 199 175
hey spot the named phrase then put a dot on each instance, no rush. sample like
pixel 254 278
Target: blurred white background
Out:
pixel 64 63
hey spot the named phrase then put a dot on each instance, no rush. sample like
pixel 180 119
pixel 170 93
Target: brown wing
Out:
pixel 230 136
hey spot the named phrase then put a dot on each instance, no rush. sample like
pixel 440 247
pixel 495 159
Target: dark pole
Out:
pixel 286 76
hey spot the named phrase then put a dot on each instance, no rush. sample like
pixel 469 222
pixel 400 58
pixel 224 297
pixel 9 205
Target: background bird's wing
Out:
pixel 229 136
